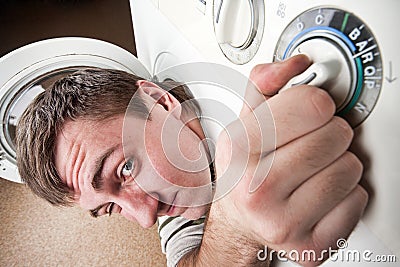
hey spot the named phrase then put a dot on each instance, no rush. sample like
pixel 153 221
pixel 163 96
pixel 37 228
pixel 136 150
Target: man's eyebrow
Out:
pixel 98 179
pixel 95 212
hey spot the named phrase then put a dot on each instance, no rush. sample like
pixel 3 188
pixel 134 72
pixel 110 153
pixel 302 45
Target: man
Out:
pixel 72 149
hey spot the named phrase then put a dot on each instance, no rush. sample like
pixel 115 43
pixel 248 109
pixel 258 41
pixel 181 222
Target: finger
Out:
pixel 270 78
pixel 318 195
pixel 324 236
pixel 282 119
pixel 295 163
pixel 340 222
pixel 300 110
pixel 267 79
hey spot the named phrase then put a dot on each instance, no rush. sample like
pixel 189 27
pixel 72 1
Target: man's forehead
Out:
pixel 72 127
pixel 69 135
pixel 66 139
pixel 85 129
pixel 78 139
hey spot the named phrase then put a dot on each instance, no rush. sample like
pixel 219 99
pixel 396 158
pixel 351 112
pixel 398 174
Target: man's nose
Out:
pixel 138 205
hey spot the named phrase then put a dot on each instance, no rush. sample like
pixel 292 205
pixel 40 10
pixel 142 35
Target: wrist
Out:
pixel 224 242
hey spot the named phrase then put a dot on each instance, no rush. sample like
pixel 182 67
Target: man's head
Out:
pixel 70 145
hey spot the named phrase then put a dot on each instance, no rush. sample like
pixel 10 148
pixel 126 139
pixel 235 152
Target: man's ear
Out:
pixel 162 97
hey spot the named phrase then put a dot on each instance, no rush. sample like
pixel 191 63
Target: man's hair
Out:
pixel 91 94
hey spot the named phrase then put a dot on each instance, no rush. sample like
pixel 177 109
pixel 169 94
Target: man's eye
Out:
pixel 110 208
pixel 128 168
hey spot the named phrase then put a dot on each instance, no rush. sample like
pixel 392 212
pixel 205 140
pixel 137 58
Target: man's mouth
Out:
pixel 171 208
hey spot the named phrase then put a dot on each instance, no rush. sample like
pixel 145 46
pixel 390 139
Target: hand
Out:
pixel 310 197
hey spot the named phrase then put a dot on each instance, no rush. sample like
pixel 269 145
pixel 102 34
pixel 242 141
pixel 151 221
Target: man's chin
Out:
pixel 195 213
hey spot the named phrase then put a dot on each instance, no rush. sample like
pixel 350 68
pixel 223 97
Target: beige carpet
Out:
pixel 34 233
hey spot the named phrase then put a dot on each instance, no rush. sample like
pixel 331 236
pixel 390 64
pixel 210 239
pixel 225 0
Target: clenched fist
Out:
pixel 295 184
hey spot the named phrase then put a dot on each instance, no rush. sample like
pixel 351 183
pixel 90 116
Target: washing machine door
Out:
pixel 29 70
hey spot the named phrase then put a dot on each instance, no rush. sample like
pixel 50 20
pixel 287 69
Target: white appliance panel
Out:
pixel 376 140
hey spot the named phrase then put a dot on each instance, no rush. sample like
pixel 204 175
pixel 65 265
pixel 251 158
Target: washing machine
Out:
pixel 352 43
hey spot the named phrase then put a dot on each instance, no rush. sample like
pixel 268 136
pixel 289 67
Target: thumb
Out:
pixel 267 79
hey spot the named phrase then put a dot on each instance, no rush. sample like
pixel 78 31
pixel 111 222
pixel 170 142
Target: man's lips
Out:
pixel 171 208
pixel 167 208
pixel 170 211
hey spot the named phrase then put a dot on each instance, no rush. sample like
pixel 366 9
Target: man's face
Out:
pixel 137 180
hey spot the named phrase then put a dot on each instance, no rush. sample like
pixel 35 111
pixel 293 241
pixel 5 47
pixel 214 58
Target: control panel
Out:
pixel 339 40
pixel 342 43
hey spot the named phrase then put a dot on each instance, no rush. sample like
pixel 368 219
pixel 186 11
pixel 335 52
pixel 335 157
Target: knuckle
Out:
pixel 343 128
pixel 362 195
pixel 258 73
pixel 336 188
pixel 275 225
pixel 353 166
pixel 322 104
pixel 284 225
pixel 271 72
pixel 277 234
pixel 343 176
pixel 257 69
